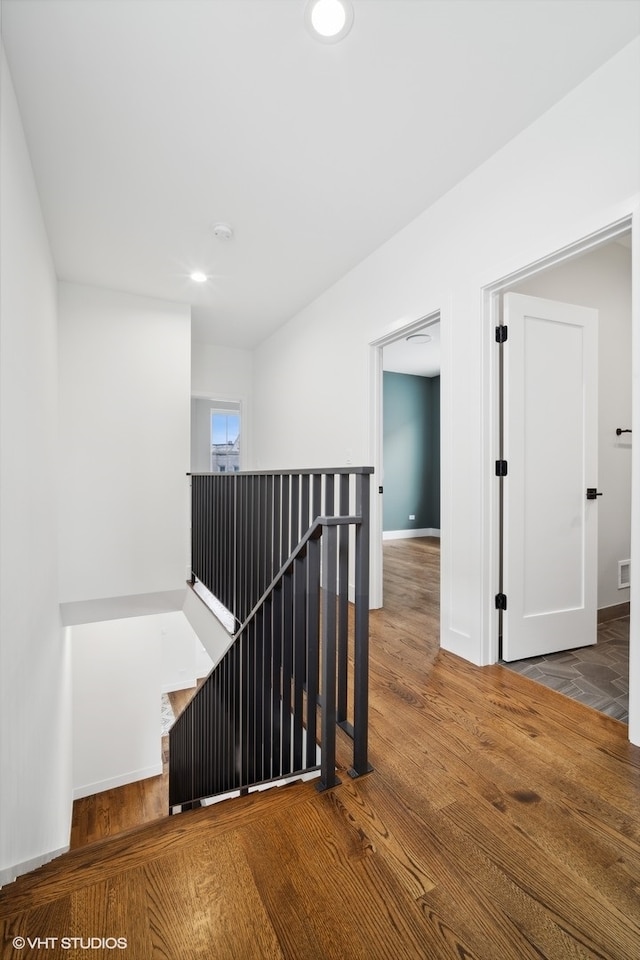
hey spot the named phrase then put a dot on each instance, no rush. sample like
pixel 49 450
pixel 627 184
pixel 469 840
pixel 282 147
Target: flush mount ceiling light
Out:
pixel 198 276
pixel 328 20
pixel 222 231
pixel 418 338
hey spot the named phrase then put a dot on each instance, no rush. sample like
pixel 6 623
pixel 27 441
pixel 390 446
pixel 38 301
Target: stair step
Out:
pixel 98 861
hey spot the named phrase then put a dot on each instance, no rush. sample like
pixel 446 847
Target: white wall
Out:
pixel 117 679
pixel 35 697
pixel 226 373
pixel 602 279
pixel 569 174
pixel 200 435
pixel 204 663
pixel 182 658
pixel 120 670
pixel 125 370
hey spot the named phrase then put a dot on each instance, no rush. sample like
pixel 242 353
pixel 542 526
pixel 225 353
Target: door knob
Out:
pixel 592 493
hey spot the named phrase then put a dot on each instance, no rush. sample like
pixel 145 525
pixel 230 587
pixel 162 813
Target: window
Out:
pixel 225 441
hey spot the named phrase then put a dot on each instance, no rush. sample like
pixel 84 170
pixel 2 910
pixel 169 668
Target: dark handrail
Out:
pixel 314 531
pixel 306 472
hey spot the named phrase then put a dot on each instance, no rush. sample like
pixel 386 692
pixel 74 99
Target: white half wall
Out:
pixel 213 636
pixel 572 172
pixel 120 670
pixel 204 663
pixel 602 279
pixel 117 679
pixel 35 670
pixel 125 370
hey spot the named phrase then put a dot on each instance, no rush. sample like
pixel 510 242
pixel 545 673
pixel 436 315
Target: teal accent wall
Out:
pixel 411 451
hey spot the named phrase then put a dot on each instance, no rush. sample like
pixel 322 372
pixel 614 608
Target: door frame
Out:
pixel 491 306
pixel 375 440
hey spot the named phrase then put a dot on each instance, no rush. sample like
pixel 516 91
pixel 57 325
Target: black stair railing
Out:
pixel 245 525
pixel 269 709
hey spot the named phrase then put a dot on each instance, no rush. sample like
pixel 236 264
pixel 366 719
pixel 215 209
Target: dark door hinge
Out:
pixel 501 468
pixel 501 601
pixel 501 334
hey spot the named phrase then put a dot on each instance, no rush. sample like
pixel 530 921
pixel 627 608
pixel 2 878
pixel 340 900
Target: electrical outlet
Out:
pixel 412 516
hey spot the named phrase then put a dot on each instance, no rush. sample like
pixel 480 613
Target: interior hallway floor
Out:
pixel 597 676
pixel 499 823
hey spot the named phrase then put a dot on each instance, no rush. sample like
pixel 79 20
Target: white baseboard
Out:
pixel 9 874
pixel 409 534
pixel 89 789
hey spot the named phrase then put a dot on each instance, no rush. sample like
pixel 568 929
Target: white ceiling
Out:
pixel 413 357
pixel 150 120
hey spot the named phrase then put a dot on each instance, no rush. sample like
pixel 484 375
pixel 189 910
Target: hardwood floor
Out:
pixel 500 822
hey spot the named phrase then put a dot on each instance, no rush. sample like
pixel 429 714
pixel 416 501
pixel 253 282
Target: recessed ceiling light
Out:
pixel 198 276
pixel 329 20
pixel 419 338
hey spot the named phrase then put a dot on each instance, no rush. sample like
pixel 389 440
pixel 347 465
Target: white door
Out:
pixel 550 441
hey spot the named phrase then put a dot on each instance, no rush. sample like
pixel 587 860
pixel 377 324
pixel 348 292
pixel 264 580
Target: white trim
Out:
pixel 9 874
pixel 634 594
pixel 133 776
pixel 375 458
pixel 410 534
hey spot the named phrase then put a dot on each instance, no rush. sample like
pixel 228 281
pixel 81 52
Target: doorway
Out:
pixel 599 277
pixel 406 441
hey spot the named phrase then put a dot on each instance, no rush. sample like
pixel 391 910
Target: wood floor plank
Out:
pixel 599 926
pixel 421 855
pixel 114 909
pixel 369 812
pixel 216 877
pixel 336 857
pixel 569 764
pixel 41 929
